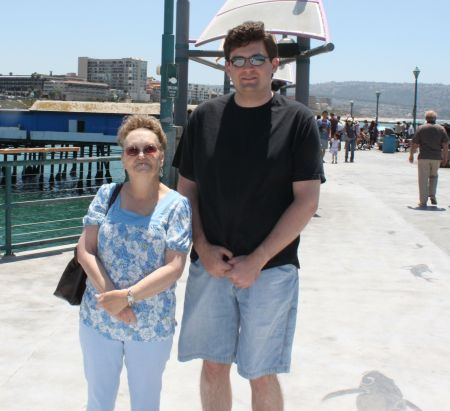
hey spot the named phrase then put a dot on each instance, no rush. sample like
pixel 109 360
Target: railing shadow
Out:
pixel 34 254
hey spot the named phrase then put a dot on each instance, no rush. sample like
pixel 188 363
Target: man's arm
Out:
pixel 246 269
pixel 212 256
pixel 414 147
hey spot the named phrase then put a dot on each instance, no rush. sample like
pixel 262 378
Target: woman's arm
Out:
pixel 154 283
pixel 87 257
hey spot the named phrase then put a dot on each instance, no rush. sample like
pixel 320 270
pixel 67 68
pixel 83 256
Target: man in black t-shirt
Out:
pixel 250 163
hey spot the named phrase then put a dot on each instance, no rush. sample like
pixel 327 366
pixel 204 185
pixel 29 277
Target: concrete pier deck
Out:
pixel 375 298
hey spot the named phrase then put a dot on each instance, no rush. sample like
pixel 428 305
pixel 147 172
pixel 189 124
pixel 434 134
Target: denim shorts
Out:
pixel 324 143
pixel 253 327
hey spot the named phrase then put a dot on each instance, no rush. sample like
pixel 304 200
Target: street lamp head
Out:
pixel 286 40
pixel 378 93
pixel 416 72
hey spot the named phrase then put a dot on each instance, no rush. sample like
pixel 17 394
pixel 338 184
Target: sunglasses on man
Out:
pixel 255 60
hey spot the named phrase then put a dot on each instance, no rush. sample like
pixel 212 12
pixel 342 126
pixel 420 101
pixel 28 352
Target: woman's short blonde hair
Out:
pixel 136 121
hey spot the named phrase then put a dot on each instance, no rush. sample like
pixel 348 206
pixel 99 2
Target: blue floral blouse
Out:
pixel 130 247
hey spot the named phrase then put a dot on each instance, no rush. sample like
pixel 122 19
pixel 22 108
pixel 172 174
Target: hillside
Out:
pixel 396 99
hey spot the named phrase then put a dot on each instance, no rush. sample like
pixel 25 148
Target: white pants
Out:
pixel 103 360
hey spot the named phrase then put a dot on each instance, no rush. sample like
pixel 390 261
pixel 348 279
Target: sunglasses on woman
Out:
pixel 147 150
pixel 255 60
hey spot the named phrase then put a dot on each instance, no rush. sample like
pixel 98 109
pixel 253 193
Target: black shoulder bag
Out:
pixel 72 283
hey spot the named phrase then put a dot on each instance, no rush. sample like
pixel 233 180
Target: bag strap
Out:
pixel 114 195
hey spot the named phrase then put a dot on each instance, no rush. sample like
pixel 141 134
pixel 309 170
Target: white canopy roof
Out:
pixel 303 18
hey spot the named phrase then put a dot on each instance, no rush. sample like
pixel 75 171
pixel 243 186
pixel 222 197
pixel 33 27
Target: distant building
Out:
pixel 154 89
pixel 59 87
pixel 127 75
pixel 198 93
pixel 72 90
pixel 64 122
pixel 22 86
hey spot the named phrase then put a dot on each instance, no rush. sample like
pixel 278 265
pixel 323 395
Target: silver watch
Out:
pixel 130 298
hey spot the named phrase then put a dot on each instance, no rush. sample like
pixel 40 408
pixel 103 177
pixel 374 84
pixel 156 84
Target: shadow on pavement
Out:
pixel 36 254
pixel 427 208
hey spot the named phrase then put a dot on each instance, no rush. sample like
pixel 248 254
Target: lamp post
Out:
pixel 351 108
pixel 416 73
pixel 378 101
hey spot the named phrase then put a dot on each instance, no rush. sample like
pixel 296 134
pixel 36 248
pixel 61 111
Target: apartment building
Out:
pixel 202 92
pixel 128 75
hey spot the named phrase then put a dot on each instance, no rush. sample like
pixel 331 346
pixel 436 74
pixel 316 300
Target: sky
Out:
pixel 375 40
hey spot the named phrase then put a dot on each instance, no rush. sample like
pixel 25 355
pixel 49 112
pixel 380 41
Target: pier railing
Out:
pixel 54 213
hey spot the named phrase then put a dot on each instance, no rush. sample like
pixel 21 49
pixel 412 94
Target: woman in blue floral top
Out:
pixel 133 254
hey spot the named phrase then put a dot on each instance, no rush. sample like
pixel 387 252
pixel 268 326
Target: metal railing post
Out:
pixel 8 211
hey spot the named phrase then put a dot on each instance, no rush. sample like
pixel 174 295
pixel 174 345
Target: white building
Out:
pixel 202 92
pixel 128 75
pixel 72 90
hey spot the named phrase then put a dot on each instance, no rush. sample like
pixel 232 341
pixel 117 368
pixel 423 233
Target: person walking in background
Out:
pixel 357 127
pixel 335 142
pixel 350 140
pixel 340 131
pixel 373 133
pixel 325 131
pixel 334 124
pixel 132 252
pixel 432 142
pixel 410 131
pixel 250 163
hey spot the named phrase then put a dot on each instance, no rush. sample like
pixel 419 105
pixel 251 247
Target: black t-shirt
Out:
pixel 244 161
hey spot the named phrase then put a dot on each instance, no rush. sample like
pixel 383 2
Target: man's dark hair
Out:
pixel 246 33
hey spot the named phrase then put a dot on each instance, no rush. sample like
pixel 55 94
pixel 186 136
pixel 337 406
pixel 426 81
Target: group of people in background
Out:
pixel 333 132
pixel 430 138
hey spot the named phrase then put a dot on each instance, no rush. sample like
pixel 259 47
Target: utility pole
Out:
pixel 182 61
pixel 166 103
